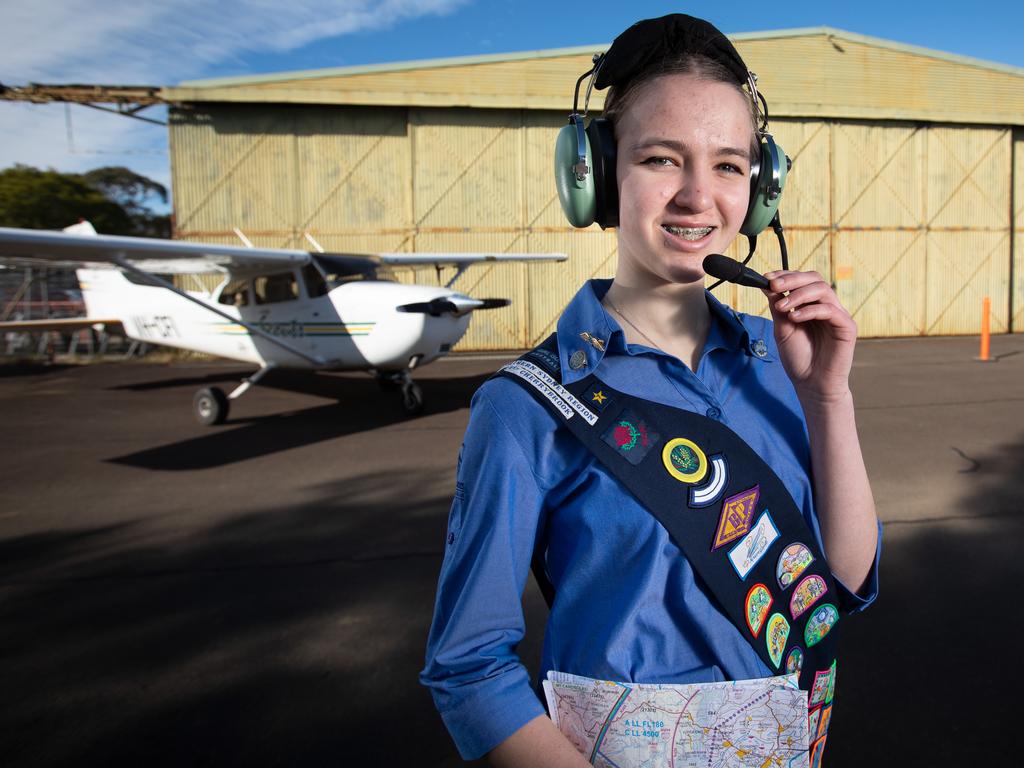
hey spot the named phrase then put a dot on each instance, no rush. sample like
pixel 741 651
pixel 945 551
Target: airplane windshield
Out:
pixel 347 269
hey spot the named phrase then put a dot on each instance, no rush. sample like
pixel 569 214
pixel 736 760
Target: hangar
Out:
pixel 906 188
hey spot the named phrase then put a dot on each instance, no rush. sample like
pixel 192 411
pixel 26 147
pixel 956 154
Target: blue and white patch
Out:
pixel 541 387
pixel 561 392
pixel 752 547
pixel 712 490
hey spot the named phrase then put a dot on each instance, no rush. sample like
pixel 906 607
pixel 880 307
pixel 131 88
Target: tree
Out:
pixel 133 193
pixel 113 199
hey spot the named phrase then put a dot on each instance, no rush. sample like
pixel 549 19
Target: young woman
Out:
pixel 628 604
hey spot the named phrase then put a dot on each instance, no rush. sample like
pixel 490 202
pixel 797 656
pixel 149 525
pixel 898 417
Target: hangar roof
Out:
pixel 808 72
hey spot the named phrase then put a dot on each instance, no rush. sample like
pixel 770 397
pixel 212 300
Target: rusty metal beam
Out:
pixel 129 100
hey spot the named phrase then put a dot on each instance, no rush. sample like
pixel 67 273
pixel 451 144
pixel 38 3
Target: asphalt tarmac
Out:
pixel 259 593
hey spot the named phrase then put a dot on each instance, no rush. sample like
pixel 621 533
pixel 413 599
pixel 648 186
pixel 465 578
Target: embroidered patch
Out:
pixel 759 601
pixel 819 689
pixel 792 562
pixel 832 684
pixel 684 460
pixel 598 400
pixel 630 436
pixel 546 359
pixel 541 387
pixel 806 594
pixel 826 715
pixel 744 556
pixel 817 750
pixel 812 723
pixel 708 493
pixel 737 512
pixel 795 660
pixel 541 381
pixel 821 621
pixel 776 636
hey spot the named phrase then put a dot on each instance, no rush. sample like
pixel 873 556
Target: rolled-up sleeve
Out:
pixel 480 687
pixel 854 602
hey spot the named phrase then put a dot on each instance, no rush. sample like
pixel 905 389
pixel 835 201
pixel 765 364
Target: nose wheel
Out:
pixel 412 398
pixel 412 395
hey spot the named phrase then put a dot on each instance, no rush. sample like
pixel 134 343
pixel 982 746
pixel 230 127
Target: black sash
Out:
pixel 722 505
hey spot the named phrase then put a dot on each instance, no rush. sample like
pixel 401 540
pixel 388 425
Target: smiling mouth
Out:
pixel 688 233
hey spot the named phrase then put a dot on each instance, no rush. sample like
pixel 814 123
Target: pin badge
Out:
pixel 578 360
pixel 759 348
pixel 595 342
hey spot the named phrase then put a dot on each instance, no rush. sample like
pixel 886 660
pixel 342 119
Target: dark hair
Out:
pixel 620 98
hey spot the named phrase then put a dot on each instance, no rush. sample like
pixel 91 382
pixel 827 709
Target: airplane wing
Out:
pixel 463 259
pixel 68 249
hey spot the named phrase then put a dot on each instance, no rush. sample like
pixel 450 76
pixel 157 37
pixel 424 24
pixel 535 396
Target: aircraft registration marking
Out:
pixel 155 327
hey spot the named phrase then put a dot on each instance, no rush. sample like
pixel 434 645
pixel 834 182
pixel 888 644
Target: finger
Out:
pixel 833 314
pixel 787 280
pixel 817 292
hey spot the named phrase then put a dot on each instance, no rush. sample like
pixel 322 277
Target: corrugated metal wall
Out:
pixel 1017 214
pixel 910 221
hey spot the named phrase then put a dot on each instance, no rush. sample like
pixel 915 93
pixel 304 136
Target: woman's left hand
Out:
pixel 815 334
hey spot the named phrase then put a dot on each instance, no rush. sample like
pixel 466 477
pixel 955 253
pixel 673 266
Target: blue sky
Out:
pixel 135 42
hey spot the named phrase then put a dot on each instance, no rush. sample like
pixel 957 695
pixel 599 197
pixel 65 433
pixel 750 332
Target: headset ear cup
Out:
pixel 767 180
pixel 601 136
pixel 576 196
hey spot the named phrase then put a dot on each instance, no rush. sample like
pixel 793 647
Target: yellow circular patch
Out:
pixel 684 460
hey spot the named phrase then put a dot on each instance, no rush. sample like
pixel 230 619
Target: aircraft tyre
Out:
pixel 412 398
pixel 210 406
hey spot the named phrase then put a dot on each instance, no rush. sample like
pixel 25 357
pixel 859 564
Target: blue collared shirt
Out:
pixel 628 606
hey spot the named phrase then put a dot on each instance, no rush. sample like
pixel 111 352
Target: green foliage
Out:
pixel 113 199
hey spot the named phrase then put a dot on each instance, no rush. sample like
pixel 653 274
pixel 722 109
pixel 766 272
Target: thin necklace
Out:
pixel 631 323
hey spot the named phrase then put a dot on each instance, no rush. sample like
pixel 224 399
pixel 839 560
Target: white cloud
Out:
pixel 137 42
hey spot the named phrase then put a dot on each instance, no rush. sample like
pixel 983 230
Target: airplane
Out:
pixel 273 307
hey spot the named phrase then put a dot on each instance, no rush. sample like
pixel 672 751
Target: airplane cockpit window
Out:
pixel 271 289
pixel 235 293
pixel 346 269
pixel 315 283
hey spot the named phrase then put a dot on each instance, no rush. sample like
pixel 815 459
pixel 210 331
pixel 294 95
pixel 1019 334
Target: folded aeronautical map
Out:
pixel 707 725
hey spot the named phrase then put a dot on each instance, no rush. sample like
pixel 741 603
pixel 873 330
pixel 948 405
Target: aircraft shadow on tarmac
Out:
pixel 361 406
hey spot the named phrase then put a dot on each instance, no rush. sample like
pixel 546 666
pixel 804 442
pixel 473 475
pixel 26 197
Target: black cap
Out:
pixel 653 40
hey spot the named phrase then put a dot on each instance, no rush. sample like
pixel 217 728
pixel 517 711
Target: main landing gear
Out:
pixel 211 405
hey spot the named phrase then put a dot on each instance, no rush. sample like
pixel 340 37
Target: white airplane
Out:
pixel 274 307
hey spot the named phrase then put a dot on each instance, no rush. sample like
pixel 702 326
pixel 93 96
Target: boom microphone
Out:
pixel 724 268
